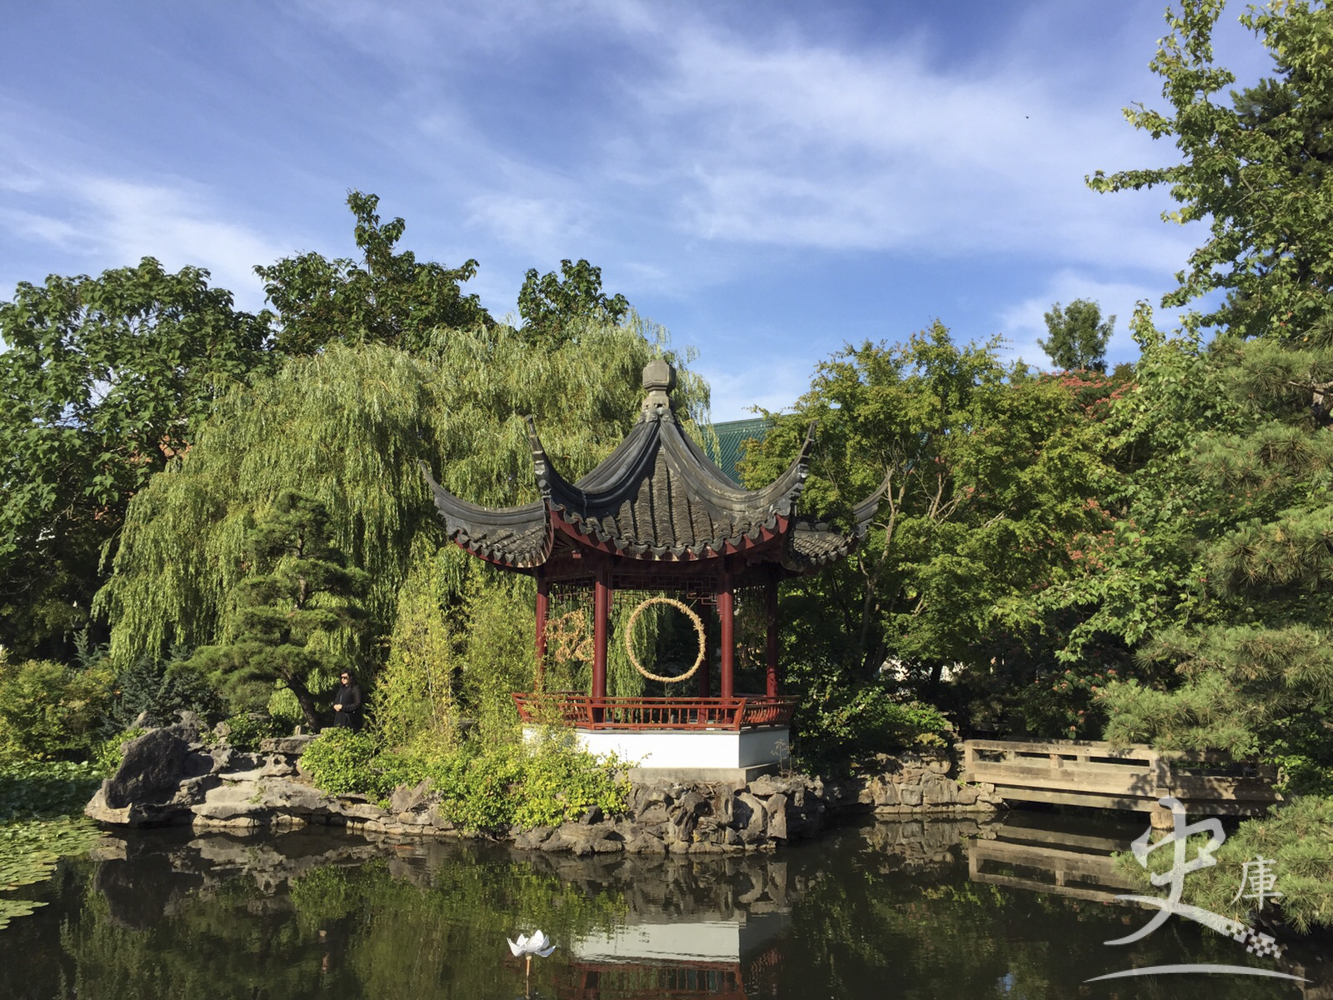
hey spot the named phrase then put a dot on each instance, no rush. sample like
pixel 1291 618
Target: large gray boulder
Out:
pixel 151 770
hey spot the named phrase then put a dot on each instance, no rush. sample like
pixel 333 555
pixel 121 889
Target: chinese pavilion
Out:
pixel 657 516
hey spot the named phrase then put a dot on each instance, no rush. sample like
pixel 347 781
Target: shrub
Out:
pixel 244 731
pixel 482 786
pixel 160 688
pixel 847 728
pixel 340 761
pixel 51 711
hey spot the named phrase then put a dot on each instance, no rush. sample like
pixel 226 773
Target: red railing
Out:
pixel 586 712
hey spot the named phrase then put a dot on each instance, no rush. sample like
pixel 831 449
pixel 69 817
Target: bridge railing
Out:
pixel 1089 772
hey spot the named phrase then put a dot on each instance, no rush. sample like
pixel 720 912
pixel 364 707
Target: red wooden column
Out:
pixel 705 668
pixel 601 631
pixel 727 635
pixel 543 609
pixel 771 613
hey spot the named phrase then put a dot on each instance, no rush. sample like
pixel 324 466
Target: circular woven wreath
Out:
pixel 698 628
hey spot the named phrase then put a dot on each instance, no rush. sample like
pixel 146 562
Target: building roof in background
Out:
pixel 731 438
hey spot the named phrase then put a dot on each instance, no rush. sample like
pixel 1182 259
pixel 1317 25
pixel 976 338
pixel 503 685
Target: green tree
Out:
pixel 1247 670
pixel 1078 336
pixel 551 305
pixel 349 428
pixel 297 590
pixel 1256 168
pixel 387 297
pixel 103 381
pixel 990 473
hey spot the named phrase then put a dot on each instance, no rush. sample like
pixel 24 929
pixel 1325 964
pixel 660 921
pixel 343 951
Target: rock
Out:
pixel 939 791
pixel 909 795
pixel 533 839
pixel 592 816
pixel 645 844
pixel 776 807
pixel 152 767
pixel 766 785
pixel 968 794
pixel 884 792
pixel 405 799
pixel 692 804
pixel 655 814
pixel 749 817
pixel 292 746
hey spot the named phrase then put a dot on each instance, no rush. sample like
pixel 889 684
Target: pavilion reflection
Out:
pixel 674 959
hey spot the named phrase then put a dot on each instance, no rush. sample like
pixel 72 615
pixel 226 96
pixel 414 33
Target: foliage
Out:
pixel 1297 838
pixel 244 730
pixel 990 473
pixel 1257 171
pixel 354 427
pixel 846 729
pixel 387 298
pixel 340 762
pixel 554 306
pixel 484 785
pixel 298 590
pixel 52 711
pixel 39 822
pixel 41 790
pixel 159 689
pixel 102 381
pixel 415 692
pixel 1078 336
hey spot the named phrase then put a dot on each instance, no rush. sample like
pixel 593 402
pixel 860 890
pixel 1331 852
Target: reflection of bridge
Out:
pixel 1087 773
pixel 1057 860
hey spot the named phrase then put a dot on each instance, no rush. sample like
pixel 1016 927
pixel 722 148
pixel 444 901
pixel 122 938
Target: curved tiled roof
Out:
pixel 657 496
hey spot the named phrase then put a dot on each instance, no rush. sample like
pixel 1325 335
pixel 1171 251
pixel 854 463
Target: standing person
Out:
pixel 347 709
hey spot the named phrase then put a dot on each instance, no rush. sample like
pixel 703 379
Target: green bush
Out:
pixel 245 730
pixel 848 728
pixel 340 762
pixel 50 711
pixel 482 786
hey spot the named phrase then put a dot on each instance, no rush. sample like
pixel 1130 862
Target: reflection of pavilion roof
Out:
pixel 656 498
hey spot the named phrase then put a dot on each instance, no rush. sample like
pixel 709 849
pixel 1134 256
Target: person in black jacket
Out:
pixel 347 707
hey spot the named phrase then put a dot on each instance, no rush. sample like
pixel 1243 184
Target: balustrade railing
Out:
pixel 586 712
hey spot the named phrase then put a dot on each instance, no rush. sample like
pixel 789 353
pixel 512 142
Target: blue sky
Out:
pixel 767 180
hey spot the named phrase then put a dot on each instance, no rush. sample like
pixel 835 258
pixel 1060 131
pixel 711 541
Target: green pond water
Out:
pixel 877 910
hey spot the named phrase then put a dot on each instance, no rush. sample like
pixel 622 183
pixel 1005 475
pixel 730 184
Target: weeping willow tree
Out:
pixel 347 428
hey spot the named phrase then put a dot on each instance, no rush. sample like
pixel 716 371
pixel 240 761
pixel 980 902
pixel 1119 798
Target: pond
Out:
pixel 876 910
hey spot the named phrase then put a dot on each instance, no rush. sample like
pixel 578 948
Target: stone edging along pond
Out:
pixel 168 777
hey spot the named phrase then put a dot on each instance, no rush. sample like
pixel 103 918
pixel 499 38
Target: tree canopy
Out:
pixel 1078 336
pixel 103 381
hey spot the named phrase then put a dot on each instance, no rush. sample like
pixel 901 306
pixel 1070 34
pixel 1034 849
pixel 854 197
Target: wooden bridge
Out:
pixel 1088 773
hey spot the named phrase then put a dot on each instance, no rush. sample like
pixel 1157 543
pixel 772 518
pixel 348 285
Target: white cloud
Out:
pixel 105 221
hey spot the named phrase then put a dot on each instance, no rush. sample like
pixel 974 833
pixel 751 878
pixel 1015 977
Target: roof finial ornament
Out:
pixel 659 378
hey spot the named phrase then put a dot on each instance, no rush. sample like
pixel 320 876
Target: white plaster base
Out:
pixel 688 748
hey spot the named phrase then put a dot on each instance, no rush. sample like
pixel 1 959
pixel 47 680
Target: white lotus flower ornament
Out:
pixel 539 944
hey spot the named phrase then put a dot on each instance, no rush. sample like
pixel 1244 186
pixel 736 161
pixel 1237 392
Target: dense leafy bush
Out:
pixel 482 786
pixel 160 688
pixel 50 711
pixel 244 731
pixel 845 728
pixel 341 762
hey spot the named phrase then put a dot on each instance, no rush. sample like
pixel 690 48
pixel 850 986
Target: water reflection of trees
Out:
pixel 883 910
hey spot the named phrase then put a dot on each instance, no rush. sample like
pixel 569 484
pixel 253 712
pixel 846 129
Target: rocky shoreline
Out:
pixel 169 776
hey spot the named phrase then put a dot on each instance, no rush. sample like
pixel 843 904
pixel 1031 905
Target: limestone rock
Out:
pixel 776 807
pixel 152 767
